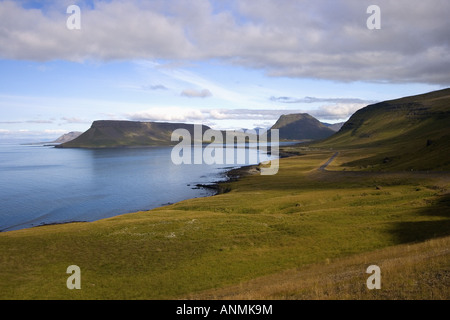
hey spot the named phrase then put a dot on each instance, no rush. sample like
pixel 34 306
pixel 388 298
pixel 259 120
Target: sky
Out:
pixel 225 63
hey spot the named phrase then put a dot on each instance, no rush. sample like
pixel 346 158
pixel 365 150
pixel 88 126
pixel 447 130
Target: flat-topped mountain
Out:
pixel 122 133
pixel 112 133
pixel 301 126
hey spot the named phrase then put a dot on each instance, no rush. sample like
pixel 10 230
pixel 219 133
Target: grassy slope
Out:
pixel 264 225
pixel 327 223
pixel 411 133
pixel 410 271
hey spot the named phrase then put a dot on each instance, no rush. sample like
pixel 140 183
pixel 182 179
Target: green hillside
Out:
pixel 301 126
pixel 411 133
pixel 308 232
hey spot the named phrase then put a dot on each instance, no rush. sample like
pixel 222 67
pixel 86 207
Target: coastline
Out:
pixel 217 187
pixel 235 174
pixel 232 175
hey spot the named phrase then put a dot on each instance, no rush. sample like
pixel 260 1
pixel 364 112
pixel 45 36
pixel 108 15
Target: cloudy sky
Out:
pixel 224 63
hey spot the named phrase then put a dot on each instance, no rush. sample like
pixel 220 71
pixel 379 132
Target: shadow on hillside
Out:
pixel 406 232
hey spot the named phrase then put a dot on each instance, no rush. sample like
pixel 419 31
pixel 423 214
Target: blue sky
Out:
pixel 227 64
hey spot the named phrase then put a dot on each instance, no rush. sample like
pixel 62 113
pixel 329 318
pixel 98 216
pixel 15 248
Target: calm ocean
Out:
pixel 44 185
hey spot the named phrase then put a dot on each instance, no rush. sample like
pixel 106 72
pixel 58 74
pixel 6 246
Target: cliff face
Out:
pixel 108 133
pixel 301 126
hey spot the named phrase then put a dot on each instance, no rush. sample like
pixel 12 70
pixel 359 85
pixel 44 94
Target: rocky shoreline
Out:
pixel 232 175
pixel 235 174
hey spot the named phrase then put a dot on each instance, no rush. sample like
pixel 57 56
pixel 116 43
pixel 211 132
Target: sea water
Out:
pixel 45 185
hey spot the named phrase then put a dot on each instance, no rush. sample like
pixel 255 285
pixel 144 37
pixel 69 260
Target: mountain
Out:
pixel 301 126
pixel 411 133
pixel 121 133
pixel 67 137
pixel 334 126
pixel 112 133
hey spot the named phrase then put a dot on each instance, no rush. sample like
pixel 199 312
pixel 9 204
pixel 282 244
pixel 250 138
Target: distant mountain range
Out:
pixel 334 126
pixel 62 139
pixel 112 133
pixel 108 133
pixel 398 128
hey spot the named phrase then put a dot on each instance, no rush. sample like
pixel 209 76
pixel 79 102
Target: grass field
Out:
pixel 411 271
pixel 303 233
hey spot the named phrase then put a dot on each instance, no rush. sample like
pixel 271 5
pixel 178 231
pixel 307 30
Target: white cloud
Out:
pixel 191 93
pixel 265 116
pixel 176 114
pixel 316 100
pixel 155 87
pixel 34 135
pixel 28 121
pixel 312 39
pixel 74 120
pixel 218 115
pixel 339 111
pixel 54 131
pixel 40 121
pixel 198 81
